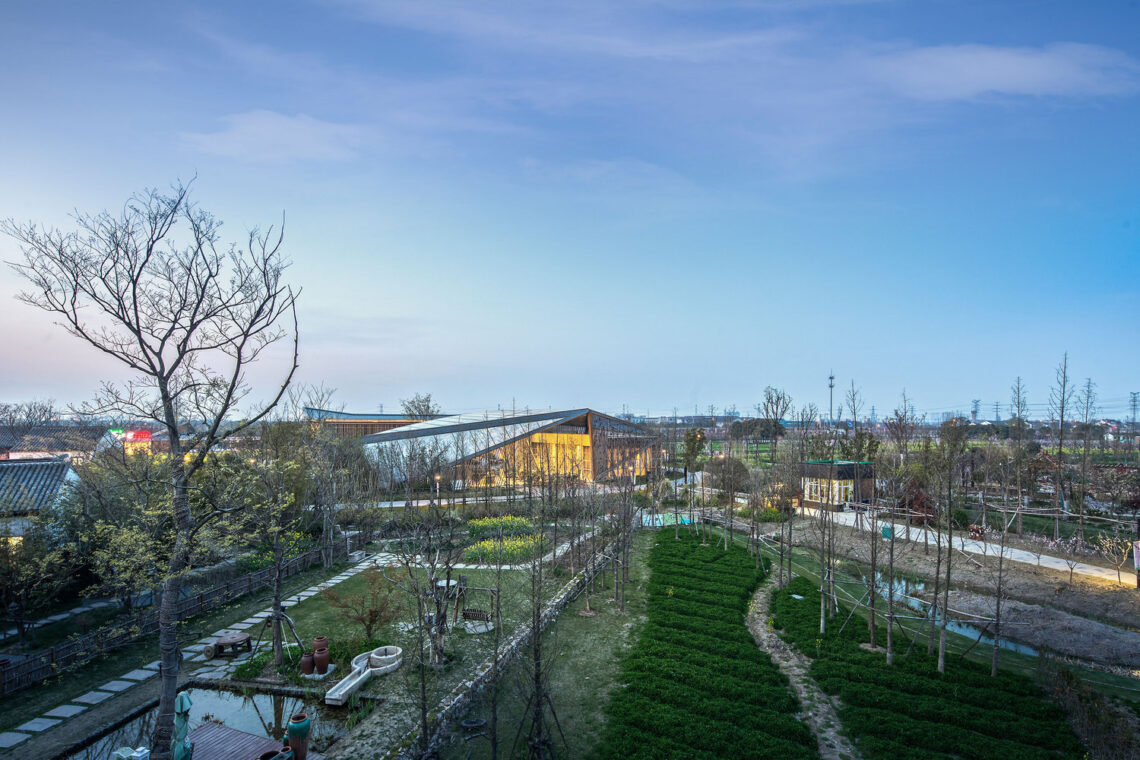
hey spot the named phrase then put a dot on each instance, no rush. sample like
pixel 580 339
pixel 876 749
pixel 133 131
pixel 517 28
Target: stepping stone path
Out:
pixel 93 697
pixel 140 675
pixel 60 715
pixel 11 739
pixel 38 724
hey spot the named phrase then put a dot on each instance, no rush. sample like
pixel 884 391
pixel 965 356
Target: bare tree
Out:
pixel 21 417
pixel 1059 398
pixel 188 317
pixel 775 407
pixel 1018 405
pixel 1086 402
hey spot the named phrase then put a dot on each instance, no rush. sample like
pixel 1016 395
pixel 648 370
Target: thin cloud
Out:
pixel 967 72
pixel 269 137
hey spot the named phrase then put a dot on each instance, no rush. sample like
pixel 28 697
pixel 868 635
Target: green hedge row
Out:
pixel 909 710
pixel 695 685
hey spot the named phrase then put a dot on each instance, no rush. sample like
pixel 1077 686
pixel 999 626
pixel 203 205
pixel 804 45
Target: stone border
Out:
pixel 449 711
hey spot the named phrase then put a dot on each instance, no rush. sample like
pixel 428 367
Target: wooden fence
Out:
pixel 46 663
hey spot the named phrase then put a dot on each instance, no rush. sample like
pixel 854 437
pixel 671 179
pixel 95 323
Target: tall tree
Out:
pixel 154 289
pixel 1018 406
pixel 775 407
pixel 1086 403
pixel 1059 399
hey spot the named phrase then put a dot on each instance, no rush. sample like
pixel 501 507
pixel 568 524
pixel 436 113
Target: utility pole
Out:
pixel 831 399
pixel 997 411
pixel 975 408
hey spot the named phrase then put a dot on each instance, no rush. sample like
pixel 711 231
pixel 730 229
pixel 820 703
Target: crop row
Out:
pixel 695 685
pixel 909 709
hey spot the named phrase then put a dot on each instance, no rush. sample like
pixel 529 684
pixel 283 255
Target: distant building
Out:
pixel 499 447
pixel 28 487
pixel 9 438
pixel 76 442
pixel 358 425
pixel 830 483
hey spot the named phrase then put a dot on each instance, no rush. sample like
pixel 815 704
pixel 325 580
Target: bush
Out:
pixel 509 550
pixel 511 525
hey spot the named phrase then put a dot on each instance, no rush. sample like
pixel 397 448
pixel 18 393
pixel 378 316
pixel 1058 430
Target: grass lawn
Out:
pixel 586 657
pixel 33 701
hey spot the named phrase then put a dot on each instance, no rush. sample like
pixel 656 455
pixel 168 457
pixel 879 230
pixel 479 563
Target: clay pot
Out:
pixel 321 660
pixel 298 730
pixel 268 755
pixel 307 663
pixel 286 752
pixel 320 642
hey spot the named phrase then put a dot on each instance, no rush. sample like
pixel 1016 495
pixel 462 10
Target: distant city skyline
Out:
pixel 656 205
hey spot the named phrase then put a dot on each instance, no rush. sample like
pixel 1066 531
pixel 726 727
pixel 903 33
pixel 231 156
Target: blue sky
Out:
pixel 658 204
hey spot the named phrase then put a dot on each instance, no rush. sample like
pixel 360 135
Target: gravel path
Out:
pixel 817 709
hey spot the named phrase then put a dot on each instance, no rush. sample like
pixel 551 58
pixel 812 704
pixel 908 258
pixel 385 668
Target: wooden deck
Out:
pixel 213 741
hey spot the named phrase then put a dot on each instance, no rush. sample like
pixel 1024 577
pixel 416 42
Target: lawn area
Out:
pixel 909 710
pixel 695 685
pixel 32 702
pixel 586 656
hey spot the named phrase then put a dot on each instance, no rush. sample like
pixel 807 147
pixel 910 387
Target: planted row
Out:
pixel 910 710
pixel 695 685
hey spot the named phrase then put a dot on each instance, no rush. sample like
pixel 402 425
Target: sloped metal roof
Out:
pixel 30 485
pixel 62 438
pixel 460 437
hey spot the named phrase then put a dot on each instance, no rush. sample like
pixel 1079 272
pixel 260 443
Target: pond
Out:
pixel 259 714
pixel 906 587
pixel 663 519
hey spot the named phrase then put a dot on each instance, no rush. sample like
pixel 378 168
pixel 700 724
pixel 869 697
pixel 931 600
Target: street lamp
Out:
pixel 437 479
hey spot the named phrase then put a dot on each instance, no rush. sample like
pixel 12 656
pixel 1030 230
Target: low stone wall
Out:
pixel 452 708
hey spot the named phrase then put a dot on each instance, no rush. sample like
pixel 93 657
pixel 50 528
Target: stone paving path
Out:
pixel 816 708
pixel 195 661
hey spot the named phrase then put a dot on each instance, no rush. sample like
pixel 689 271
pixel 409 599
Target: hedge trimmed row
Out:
pixel 695 685
pixel 910 710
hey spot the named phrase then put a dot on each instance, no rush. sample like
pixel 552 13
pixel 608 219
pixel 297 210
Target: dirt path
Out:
pixel 818 710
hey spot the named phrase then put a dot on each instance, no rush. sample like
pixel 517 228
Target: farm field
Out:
pixel 695 685
pixel 909 710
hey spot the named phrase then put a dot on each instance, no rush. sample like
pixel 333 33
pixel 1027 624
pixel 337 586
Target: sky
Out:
pixel 643 205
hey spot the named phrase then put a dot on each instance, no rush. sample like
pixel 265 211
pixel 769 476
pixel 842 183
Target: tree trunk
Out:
pixel 170 654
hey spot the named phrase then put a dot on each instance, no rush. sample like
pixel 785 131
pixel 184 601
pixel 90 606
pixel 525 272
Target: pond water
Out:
pixel 261 714
pixel 661 520
pixel 906 587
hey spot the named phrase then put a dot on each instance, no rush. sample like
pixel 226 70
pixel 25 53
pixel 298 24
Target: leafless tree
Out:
pixel 153 288
pixel 1019 406
pixel 775 406
pixel 1086 403
pixel 1059 399
pixel 22 416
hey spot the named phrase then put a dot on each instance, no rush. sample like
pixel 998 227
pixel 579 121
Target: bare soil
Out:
pixel 1087 619
pixel 1066 634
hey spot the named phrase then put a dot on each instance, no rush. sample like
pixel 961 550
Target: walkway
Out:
pixel 817 709
pixel 195 661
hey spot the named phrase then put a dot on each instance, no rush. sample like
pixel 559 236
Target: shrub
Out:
pixel 511 525
pixel 509 550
